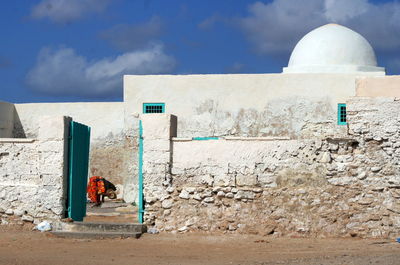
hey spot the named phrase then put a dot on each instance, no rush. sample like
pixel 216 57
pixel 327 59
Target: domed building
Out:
pixel 333 49
pixel 191 147
pixel 307 100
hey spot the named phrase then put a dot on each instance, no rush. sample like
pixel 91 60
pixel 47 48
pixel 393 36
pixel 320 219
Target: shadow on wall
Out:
pixel 18 130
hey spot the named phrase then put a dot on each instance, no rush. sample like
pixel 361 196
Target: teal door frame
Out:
pixel 141 199
pixel 78 156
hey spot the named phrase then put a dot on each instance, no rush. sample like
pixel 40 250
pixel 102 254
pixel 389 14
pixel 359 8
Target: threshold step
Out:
pixel 100 227
pixel 95 235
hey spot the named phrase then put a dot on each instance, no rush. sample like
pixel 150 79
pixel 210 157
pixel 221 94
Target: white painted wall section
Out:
pixel 104 118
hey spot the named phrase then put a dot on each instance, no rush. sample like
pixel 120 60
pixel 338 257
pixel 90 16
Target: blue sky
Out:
pixel 78 50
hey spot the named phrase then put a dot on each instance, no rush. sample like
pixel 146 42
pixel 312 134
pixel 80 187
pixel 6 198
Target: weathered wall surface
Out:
pixel 292 105
pixel 108 142
pixel 384 86
pixel 105 118
pixel 130 164
pixel 345 186
pixel 6 119
pixel 33 173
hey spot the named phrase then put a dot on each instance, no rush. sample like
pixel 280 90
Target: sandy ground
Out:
pixel 18 247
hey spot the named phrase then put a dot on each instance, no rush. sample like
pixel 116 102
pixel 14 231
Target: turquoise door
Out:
pixel 79 142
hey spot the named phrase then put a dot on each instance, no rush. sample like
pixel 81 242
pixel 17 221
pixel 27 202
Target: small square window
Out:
pixel 153 107
pixel 342 115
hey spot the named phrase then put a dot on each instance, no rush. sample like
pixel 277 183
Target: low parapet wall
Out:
pixel 382 86
pixel 346 186
pixel 33 173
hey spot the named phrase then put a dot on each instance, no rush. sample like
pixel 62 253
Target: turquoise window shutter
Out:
pixel 342 115
pixel 153 107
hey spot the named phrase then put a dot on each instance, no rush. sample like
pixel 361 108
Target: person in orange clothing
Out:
pixel 98 187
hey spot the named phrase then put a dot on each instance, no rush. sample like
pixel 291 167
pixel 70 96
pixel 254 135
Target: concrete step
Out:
pixel 95 235
pixel 100 227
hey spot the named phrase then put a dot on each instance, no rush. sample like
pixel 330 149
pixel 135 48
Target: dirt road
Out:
pixel 34 248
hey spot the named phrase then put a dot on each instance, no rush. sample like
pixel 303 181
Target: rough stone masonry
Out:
pixel 338 185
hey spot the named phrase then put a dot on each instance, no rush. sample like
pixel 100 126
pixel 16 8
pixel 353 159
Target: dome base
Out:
pixel 336 69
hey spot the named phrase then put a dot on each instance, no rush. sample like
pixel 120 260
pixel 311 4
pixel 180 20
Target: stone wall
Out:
pixel 33 173
pixel 343 186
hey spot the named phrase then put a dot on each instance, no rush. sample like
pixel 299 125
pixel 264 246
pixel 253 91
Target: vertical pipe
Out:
pixel 87 169
pixel 141 208
pixel 69 182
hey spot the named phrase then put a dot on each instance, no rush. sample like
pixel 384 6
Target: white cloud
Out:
pixel 63 72
pixel 63 11
pixel 342 10
pixel 129 37
pixel 209 22
pixel 274 28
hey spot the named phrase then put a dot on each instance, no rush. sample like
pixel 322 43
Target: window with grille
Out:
pixel 342 119
pixel 153 107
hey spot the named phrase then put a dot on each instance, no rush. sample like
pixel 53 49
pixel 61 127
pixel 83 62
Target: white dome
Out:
pixel 333 49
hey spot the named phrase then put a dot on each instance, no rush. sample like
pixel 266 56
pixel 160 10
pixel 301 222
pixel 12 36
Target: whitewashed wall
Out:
pixel 108 150
pixel 383 86
pixel 105 118
pixel 279 105
pixel 33 172
pixel 289 105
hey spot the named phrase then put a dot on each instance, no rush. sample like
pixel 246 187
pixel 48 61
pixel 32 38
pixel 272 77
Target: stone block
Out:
pixel 375 169
pixel 177 170
pixel 158 126
pixel 160 145
pixel 51 163
pixel 30 179
pixel 51 146
pixel 224 180
pixel 241 194
pixel 184 195
pixel 246 180
pixel 156 157
pixel 167 204
pixel 206 179
pixel 27 218
pixel 209 200
pixel 155 168
pixel 325 157
pixel 153 179
pixel 52 180
pixel 267 180
pixel 191 190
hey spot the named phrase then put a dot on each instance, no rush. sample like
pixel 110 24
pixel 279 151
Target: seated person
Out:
pixel 98 188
